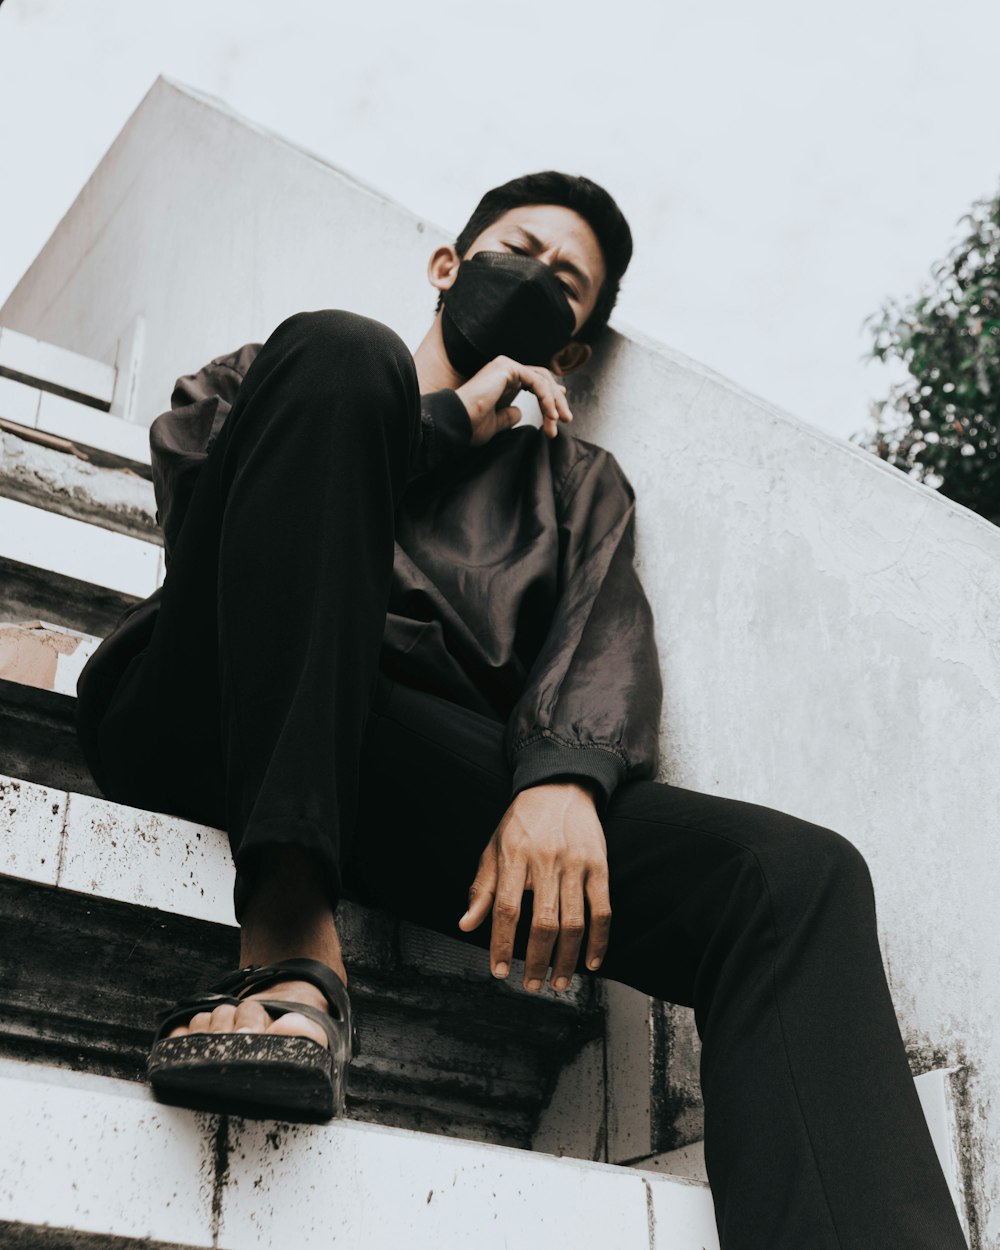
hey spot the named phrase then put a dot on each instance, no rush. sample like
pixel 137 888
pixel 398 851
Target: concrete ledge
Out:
pixel 101 1156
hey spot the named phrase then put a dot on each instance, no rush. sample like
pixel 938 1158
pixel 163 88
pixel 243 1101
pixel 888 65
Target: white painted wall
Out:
pixel 828 629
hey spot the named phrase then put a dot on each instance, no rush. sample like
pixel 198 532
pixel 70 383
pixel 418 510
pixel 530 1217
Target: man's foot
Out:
pixel 287 916
pixel 251 1017
pixel 237 1058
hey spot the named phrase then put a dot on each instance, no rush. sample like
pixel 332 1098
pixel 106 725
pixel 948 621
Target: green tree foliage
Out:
pixel 941 424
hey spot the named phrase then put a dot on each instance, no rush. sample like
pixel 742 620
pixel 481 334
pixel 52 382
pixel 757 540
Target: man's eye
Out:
pixel 522 251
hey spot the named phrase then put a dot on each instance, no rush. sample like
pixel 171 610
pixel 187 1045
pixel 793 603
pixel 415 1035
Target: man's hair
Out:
pixel 594 205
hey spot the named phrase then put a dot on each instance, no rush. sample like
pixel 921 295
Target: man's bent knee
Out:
pixel 337 332
pixel 816 859
pixel 344 363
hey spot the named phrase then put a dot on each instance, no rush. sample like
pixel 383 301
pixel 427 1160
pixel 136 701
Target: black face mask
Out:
pixel 502 304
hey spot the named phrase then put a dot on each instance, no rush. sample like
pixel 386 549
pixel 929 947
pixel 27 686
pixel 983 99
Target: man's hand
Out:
pixel 550 841
pixel 488 397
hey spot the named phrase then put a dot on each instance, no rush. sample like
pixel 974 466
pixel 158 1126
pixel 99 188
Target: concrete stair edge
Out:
pixel 118 1163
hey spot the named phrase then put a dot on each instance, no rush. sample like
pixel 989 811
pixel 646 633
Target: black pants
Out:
pixel 258 707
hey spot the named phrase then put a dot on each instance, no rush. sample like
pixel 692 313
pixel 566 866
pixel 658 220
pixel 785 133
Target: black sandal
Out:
pixel 258 1075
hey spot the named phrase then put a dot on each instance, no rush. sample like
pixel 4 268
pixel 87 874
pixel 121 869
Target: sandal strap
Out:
pixel 233 987
pixel 182 1012
pixel 256 977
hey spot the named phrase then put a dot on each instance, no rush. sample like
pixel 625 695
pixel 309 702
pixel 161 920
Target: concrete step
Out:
pixel 55 475
pixel 70 572
pixel 99 1163
pixel 109 914
pixel 82 430
pixel 79 540
pixel 47 390
pixel 52 543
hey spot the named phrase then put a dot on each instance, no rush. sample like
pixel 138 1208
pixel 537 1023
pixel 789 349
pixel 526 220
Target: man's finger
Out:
pixel 506 913
pixel 544 931
pixel 551 415
pixel 563 403
pixel 551 396
pixel 571 926
pixel 482 890
pixel 599 901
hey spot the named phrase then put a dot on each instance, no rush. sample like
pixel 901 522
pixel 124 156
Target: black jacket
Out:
pixel 513 589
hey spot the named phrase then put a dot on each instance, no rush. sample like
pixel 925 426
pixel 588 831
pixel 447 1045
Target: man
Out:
pixel 401 651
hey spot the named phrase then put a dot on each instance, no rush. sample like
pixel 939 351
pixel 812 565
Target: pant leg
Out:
pixel 248 706
pixel 763 923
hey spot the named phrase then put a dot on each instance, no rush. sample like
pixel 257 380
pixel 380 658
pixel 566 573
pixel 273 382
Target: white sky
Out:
pixel 783 168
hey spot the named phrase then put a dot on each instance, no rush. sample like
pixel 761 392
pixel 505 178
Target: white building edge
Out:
pixel 829 630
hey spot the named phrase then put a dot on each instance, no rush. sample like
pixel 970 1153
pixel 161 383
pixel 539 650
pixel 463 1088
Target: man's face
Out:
pixel 561 239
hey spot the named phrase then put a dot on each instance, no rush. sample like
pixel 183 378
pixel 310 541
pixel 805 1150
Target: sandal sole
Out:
pixel 249 1074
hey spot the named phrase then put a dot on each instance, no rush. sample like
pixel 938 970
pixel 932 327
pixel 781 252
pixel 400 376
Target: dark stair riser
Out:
pixel 81 980
pixel 41 1237
pixel 38 739
pixel 28 593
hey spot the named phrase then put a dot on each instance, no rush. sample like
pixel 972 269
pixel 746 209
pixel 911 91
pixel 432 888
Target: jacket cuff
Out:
pixel 445 430
pixel 545 760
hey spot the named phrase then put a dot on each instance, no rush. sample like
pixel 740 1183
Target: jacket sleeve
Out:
pixel 590 710
pixel 445 432
pixel 181 438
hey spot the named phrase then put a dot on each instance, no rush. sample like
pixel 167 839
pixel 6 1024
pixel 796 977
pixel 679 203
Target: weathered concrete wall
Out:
pixel 828 630
pixel 830 637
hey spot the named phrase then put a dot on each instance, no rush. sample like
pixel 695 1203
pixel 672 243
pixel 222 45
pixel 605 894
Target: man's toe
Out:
pixel 251 1015
pixel 222 1018
pixel 295 1024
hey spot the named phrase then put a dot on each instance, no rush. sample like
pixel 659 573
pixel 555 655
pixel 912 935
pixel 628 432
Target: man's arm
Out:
pixel 445 432
pixel 587 719
pixel 590 710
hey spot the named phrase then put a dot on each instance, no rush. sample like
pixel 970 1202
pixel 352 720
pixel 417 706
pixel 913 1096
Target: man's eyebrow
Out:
pixel 566 265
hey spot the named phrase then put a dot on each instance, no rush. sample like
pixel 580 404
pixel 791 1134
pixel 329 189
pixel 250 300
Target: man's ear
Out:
pixel 570 358
pixel 442 268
